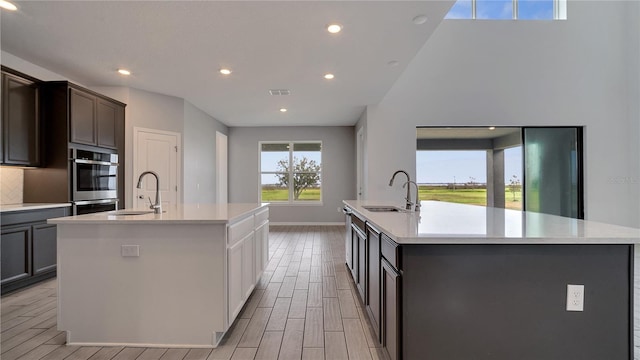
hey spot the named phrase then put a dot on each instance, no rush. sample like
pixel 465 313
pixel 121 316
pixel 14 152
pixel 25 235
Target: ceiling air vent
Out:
pixel 279 92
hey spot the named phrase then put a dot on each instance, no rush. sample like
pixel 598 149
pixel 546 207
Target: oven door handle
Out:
pixel 90 202
pixel 94 162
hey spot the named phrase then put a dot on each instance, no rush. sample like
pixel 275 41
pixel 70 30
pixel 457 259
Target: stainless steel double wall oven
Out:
pixel 94 180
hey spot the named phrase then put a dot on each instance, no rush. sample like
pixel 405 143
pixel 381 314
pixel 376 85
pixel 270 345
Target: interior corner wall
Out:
pixel 525 73
pixel 199 182
pixel 338 170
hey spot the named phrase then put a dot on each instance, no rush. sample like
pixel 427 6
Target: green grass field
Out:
pixel 468 196
pixel 283 195
pixel 460 196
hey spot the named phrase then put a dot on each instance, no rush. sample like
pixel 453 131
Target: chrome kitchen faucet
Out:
pixel 408 198
pixel 157 207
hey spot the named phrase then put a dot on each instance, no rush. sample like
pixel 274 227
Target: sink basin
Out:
pixel 130 212
pixel 382 208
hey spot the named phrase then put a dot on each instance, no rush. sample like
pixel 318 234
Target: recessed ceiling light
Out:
pixel 420 19
pixel 329 76
pixel 124 72
pixel 492 127
pixel 283 110
pixel 334 28
pixel 393 63
pixel 7 5
pixel 225 71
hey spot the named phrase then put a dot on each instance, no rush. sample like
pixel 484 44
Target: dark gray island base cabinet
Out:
pixel 497 301
pixel 509 302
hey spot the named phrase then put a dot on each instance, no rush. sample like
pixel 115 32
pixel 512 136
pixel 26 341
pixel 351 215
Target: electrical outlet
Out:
pixel 575 297
pixel 130 250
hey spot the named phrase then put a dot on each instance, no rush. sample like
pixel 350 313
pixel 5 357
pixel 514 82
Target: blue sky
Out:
pixel 503 9
pixel 461 166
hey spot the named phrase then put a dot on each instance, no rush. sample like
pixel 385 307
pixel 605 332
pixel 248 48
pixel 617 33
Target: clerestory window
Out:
pixel 509 10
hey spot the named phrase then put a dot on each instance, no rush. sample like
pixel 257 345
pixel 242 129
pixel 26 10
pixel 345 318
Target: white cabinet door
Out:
pixel 236 295
pixel 262 249
pixel 248 272
pixel 258 262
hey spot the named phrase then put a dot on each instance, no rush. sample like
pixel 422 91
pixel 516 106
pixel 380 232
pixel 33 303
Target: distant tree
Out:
pixel 471 182
pixel 514 186
pixel 305 174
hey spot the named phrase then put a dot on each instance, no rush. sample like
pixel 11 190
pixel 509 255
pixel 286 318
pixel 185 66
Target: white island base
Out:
pixel 189 282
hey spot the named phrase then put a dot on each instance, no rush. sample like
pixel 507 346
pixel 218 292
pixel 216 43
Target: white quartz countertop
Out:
pixel 449 223
pixel 177 214
pixel 31 206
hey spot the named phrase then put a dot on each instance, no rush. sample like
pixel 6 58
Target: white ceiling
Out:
pixel 177 47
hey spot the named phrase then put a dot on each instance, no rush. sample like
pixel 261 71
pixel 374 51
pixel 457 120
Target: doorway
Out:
pixel 536 169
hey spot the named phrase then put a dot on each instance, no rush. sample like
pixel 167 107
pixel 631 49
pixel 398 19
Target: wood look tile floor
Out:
pixel 304 307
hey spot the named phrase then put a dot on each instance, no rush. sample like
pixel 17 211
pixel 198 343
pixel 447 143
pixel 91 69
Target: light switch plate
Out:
pixel 575 297
pixel 130 250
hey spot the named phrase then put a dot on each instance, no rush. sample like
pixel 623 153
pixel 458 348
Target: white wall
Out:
pixel 338 170
pixel 518 73
pixel 31 69
pixel 199 145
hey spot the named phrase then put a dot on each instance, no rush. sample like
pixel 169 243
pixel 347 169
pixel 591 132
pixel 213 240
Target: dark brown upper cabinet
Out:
pixel 20 143
pixel 108 117
pixel 82 117
pixel 94 120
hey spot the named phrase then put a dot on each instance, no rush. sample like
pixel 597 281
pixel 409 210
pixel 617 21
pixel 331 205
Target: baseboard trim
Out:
pixel 307 223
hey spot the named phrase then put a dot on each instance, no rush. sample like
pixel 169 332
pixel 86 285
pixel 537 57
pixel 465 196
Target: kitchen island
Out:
pixel 176 279
pixel 469 282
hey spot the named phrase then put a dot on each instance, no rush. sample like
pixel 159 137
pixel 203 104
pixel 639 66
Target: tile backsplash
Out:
pixel 11 185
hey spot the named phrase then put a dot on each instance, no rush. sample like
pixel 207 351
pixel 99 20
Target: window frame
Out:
pixel 290 200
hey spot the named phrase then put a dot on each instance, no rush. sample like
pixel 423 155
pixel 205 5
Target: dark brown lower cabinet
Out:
pixel 373 278
pixel 15 247
pixel 28 247
pixel 44 248
pixel 390 289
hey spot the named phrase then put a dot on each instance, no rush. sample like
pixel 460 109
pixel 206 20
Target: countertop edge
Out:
pixel 156 219
pixel 462 239
pixel 27 207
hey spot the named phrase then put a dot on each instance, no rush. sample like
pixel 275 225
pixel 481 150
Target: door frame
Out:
pixel 360 153
pixel 222 168
pixel 179 170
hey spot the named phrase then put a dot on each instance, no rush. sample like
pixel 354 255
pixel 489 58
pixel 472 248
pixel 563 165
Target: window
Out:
pixel 509 10
pixel 282 183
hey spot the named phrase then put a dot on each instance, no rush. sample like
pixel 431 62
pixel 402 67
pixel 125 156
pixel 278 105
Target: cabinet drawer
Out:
pixel 239 230
pixel 262 216
pixel 390 250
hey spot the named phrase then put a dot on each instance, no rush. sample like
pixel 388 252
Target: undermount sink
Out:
pixel 130 212
pixel 382 208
